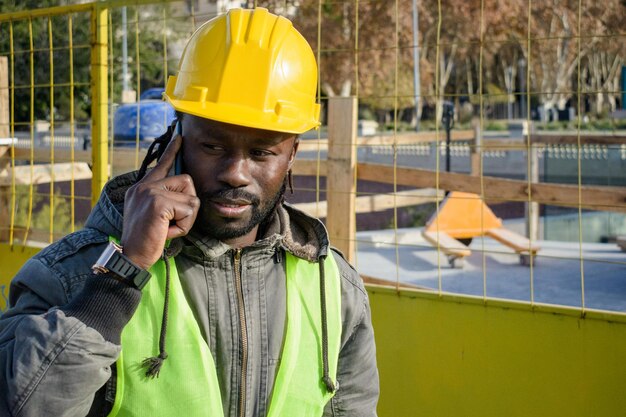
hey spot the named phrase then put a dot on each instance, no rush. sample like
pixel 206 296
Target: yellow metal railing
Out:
pixel 27 197
pixel 100 100
pixel 56 52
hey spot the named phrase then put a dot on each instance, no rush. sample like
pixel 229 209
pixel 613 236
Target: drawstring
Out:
pixel 331 386
pixel 153 365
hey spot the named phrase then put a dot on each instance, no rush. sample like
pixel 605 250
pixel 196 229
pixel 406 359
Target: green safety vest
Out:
pixel 188 384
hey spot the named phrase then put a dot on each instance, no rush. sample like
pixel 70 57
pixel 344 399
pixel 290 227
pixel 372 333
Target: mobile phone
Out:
pixel 178 162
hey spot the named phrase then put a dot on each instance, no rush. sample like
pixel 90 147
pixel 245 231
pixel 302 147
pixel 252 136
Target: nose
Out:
pixel 234 171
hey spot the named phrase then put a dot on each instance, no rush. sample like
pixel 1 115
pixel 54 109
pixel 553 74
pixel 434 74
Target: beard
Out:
pixel 229 228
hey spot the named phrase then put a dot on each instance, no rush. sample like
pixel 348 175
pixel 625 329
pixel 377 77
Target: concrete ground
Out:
pixel 556 273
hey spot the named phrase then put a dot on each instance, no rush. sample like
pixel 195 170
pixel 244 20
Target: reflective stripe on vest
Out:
pixel 188 384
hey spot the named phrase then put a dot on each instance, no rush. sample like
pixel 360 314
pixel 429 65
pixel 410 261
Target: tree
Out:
pixel 600 73
pixel 147 24
pixel 154 36
pixel 360 51
pixel 556 51
pixel 451 41
pixel 41 61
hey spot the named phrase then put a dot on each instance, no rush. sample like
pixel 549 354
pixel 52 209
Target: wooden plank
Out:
pixel 312 145
pixel 521 145
pixel 340 182
pixel 496 189
pixel 309 167
pixel 594 197
pixel 447 244
pixel 378 202
pixel 43 173
pixel 500 189
pixel 499 144
pixel 123 158
pixel 409 138
pixel 513 240
pixel 43 155
pixel 504 145
pixel 539 139
pixel 572 139
pixel 390 284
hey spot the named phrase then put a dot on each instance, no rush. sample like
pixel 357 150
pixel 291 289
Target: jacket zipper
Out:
pixel 244 333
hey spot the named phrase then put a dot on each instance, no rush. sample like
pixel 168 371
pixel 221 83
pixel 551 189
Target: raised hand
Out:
pixel 157 208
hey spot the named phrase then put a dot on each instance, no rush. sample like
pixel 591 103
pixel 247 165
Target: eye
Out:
pixel 260 153
pixel 212 147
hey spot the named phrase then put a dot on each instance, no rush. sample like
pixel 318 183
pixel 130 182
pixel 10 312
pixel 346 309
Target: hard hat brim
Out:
pixel 242 116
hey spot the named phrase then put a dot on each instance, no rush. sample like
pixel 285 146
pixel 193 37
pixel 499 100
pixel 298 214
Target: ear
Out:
pixel 294 151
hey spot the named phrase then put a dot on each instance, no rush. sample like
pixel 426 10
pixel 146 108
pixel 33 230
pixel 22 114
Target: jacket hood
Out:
pixel 302 235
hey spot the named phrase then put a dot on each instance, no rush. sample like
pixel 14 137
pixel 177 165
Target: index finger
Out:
pixel 165 164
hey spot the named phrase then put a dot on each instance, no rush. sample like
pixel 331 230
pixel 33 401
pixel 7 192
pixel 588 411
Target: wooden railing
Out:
pixel 342 170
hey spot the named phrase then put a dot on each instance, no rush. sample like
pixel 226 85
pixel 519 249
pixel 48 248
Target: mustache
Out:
pixel 230 194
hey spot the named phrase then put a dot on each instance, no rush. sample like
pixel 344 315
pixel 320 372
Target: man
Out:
pixel 200 293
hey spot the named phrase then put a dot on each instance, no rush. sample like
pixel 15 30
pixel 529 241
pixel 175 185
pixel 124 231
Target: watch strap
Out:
pixel 127 271
pixel 117 265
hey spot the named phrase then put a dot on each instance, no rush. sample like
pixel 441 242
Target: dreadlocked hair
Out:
pixel 156 150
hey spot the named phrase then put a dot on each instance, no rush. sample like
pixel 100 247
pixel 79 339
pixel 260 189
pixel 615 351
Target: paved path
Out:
pixel 556 273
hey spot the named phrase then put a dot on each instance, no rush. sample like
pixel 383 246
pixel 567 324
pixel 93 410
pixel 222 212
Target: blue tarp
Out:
pixel 154 118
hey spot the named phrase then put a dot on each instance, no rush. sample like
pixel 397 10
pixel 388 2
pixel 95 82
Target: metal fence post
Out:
pixel 532 208
pixel 4 97
pixel 340 180
pixel 476 149
pixel 100 100
pixel 4 133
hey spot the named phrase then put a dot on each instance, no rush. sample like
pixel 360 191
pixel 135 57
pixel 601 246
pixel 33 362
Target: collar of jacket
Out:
pixel 302 235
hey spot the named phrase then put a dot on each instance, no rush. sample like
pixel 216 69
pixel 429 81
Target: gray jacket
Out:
pixel 59 338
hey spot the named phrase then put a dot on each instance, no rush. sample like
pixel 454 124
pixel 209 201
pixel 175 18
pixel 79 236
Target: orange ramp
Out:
pixel 463 216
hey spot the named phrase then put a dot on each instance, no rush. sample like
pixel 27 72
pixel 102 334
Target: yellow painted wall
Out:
pixel 447 356
pixel 11 260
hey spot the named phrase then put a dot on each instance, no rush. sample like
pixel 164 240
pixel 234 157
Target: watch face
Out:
pixel 101 265
pixel 113 260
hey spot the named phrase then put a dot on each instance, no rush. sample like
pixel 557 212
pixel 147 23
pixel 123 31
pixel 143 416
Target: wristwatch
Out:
pixel 113 260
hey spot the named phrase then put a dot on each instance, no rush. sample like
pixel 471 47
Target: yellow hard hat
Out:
pixel 249 68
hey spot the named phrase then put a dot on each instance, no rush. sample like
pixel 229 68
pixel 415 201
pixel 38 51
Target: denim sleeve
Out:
pixel 51 362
